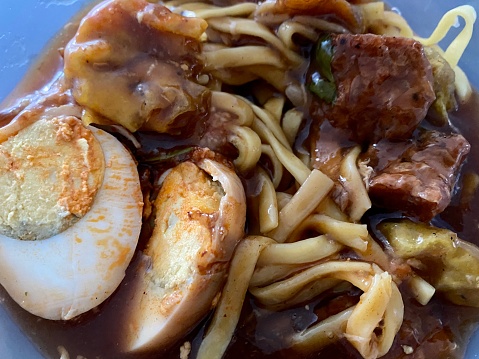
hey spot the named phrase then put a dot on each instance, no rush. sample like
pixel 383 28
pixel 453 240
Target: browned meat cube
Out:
pixel 384 86
pixel 416 178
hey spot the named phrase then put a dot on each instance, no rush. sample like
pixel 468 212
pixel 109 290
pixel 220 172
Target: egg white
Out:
pixel 74 271
pixel 166 303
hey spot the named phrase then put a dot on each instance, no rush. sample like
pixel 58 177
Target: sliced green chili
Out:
pixel 166 155
pixel 322 82
pixel 325 90
pixel 324 56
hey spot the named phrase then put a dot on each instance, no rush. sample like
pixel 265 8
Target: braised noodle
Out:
pixel 263 264
pixel 279 264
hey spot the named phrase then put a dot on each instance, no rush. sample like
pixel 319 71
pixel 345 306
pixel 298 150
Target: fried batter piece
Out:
pixel 133 63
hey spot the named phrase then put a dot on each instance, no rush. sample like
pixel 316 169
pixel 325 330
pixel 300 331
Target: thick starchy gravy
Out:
pixel 438 330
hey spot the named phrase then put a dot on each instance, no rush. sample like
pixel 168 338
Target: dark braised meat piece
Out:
pixel 384 86
pixel 416 177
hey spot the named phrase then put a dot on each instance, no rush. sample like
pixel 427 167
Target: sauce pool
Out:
pixel 440 327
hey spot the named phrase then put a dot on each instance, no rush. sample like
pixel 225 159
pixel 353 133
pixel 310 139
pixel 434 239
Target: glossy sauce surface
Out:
pixel 95 335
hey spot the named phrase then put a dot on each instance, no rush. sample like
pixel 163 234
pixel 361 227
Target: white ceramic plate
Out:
pixel 27 25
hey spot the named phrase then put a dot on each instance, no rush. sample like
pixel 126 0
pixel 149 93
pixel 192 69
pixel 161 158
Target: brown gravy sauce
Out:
pixel 440 329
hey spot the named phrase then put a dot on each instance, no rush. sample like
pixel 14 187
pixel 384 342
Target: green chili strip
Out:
pixel 167 155
pixel 322 83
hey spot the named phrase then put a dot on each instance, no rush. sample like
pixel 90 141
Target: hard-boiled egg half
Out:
pixel 70 215
pixel 200 218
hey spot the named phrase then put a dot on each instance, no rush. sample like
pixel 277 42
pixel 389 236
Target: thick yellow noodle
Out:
pixel 354 185
pixel 314 189
pixel 292 163
pixel 308 250
pixel 229 308
pixel 277 171
pixel 250 27
pixel 282 268
pixel 268 206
